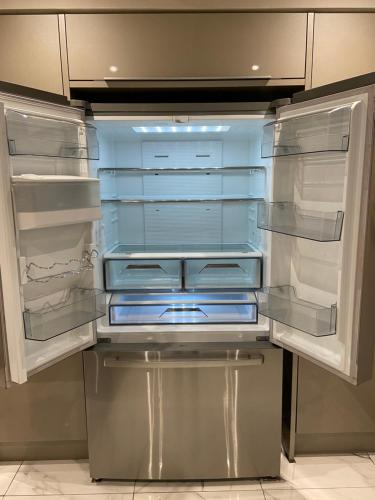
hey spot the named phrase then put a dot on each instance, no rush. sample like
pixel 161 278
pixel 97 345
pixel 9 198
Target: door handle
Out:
pixel 252 360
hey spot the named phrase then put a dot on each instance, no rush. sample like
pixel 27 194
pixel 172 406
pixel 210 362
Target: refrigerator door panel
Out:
pixel 318 286
pixel 41 264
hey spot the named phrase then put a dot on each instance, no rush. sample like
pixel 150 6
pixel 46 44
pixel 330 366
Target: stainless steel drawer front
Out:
pixel 183 415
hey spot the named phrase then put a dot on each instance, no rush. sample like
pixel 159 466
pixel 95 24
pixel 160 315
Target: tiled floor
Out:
pixel 348 477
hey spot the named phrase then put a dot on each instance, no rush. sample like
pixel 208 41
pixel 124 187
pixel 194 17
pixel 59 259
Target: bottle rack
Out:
pixel 281 304
pixel 287 218
pixel 37 135
pixel 76 307
pixel 321 131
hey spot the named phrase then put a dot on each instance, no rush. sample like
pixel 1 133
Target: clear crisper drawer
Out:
pixel 76 307
pixel 42 136
pixel 222 273
pixel 52 200
pixel 136 274
pixel 192 310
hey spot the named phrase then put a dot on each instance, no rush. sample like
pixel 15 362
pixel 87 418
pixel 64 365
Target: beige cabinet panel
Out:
pixel 30 51
pixel 328 405
pixel 146 46
pixel 343 46
pixel 50 407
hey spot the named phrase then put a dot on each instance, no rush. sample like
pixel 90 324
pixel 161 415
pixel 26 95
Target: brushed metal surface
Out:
pixel 169 46
pixel 149 418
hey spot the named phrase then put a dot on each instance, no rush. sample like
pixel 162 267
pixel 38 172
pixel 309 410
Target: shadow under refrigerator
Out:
pixel 180 260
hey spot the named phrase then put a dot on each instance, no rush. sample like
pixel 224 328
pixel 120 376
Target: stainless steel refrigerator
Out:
pixel 190 249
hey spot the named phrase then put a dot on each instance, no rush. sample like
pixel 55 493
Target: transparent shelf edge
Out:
pixel 178 169
pixel 286 218
pixel 81 307
pixel 281 304
pixel 180 200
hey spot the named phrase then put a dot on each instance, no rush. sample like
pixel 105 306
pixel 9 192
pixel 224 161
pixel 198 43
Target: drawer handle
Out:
pixel 202 156
pixel 161 156
pixel 144 267
pixel 177 310
pixel 220 266
pixel 253 360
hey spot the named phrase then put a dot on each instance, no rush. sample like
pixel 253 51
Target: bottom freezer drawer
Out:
pixel 193 415
pixel 183 314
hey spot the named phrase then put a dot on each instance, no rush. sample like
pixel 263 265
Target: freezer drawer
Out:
pixel 128 274
pixel 147 420
pixel 222 273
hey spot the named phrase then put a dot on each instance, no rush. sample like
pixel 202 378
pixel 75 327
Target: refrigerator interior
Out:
pixel 179 218
pixel 209 228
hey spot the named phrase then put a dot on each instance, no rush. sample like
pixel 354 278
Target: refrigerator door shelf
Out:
pixel 77 307
pixel 320 131
pixel 281 304
pixel 287 218
pixel 46 201
pixel 36 135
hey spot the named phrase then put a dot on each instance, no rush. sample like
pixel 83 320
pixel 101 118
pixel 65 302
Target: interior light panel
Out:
pixel 175 129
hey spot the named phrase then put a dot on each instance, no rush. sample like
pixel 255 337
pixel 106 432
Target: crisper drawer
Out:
pixel 135 274
pixel 187 309
pixel 222 273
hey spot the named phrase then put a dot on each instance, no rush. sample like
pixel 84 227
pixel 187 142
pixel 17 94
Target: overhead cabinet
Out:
pixel 178 46
pixel 30 51
pixel 343 46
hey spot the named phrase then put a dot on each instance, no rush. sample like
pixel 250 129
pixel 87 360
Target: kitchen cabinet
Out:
pixel 332 415
pixel 45 418
pixel 178 46
pixel 30 51
pixel 343 46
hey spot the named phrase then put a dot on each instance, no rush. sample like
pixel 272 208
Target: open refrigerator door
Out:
pixel 318 223
pixel 48 250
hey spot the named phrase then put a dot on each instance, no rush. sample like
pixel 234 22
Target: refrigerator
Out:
pixel 176 247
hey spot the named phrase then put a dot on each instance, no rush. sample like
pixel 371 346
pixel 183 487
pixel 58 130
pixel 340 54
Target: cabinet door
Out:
pixel 165 46
pixel 320 223
pixel 30 51
pixel 343 46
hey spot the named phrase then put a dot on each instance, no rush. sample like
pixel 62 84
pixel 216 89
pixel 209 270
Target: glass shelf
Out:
pixel 190 199
pixel 287 218
pixel 195 309
pixel 37 135
pixel 222 273
pixel 311 133
pixel 178 169
pixel 49 200
pixel 78 307
pixel 282 305
pixel 135 274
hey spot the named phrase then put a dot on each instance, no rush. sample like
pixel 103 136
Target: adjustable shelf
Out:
pixel 78 307
pixel 36 135
pixel 311 133
pixel 287 218
pixel 183 199
pixel 282 305
pixel 178 169
pixel 198 250
pixel 53 200
pixel 183 309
